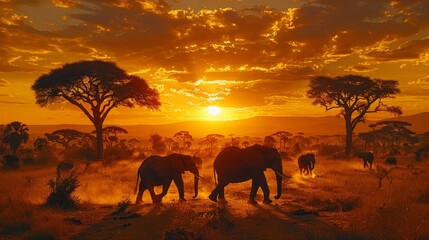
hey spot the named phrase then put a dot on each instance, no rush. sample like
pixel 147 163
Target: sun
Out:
pixel 213 110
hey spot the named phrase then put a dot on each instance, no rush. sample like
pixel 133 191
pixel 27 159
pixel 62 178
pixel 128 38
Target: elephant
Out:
pixel 367 157
pixel 64 166
pixel 390 161
pixel 234 165
pixel 157 171
pixel 306 162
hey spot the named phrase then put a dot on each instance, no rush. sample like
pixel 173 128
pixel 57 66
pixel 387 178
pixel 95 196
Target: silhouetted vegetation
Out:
pixel 14 134
pixel 62 189
pixel 353 95
pixel 95 87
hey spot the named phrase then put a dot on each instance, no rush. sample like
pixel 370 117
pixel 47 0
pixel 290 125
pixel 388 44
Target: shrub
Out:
pixel 10 162
pixel 380 173
pixel 124 203
pixel 62 189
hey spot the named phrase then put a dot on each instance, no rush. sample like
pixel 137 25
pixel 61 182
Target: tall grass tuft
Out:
pixel 62 189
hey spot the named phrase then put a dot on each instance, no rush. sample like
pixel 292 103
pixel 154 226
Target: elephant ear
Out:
pixel 177 163
pixel 255 157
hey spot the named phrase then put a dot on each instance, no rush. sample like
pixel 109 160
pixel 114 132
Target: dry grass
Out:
pixel 348 202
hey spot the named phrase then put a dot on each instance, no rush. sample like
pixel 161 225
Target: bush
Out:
pixel 62 189
pixel 10 162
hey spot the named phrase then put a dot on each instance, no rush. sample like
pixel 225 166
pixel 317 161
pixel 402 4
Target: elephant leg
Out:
pixel 253 192
pixel 300 171
pixel 155 198
pixel 142 188
pixel 222 192
pixel 213 195
pixel 165 188
pixel 180 187
pixel 263 183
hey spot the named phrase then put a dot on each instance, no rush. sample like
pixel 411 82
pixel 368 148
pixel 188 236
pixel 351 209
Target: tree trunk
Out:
pixel 349 135
pixel 99 134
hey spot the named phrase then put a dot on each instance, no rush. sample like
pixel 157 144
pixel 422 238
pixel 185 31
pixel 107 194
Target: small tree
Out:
pixel 40 144
pixel 95 87
pixel 355 96
pixel 65 136
pixel 110 134
pixel 15 133
pixel 213 139
pixel 283 137
pixel 158 145
pixel 185 136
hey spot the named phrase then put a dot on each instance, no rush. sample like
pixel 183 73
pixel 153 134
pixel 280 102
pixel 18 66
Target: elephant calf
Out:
pixel 367 157
pixel 306 162
pixel 157 171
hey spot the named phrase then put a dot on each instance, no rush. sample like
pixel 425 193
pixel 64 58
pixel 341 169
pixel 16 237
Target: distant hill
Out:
pixel 256 126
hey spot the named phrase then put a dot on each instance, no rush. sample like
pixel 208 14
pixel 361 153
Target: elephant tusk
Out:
pixel 282 175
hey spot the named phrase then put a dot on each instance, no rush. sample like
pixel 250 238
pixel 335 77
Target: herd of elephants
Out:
pixel 231 165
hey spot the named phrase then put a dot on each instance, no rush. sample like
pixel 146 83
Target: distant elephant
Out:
pixel 157 171
pixel 64 166
pixel 390 161
pixel 198 161
pixel 367 157
pixel 306 162
pixel 234 165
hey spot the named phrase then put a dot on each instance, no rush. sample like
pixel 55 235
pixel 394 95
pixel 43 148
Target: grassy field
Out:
pixel 342 200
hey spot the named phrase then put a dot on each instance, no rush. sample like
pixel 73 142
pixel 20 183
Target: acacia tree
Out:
pixel 212 139
pixel 15 133
pixel 110 132
pixel 355 96
pixel 283 137
pixel 95 87
pixel 65 136
pixel 185 136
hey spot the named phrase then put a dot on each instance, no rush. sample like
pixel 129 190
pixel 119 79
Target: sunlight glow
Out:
pixel 213 110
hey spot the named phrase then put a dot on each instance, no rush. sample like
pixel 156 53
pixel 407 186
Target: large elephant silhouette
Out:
pixel 234 165
pixel 306 162
pixel 157 171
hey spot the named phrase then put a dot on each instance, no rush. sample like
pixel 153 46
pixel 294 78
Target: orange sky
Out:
pixel 247 58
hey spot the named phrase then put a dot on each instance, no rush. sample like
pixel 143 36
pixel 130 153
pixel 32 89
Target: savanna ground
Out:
pixel 342 201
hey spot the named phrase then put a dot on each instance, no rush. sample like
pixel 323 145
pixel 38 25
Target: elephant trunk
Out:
pixel 279 186
pixel 196 185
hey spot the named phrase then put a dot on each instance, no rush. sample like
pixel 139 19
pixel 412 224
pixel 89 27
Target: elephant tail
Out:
pixel 137 182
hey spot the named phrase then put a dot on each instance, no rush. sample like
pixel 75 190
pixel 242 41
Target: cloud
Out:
pixel 410 50
pixel 4 83
pixel 361 68
pixel 13 102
